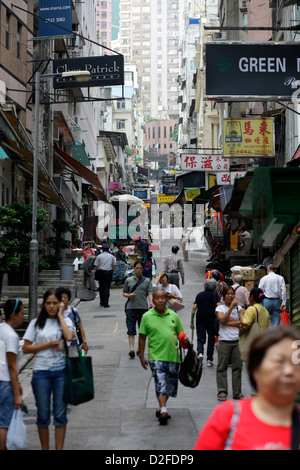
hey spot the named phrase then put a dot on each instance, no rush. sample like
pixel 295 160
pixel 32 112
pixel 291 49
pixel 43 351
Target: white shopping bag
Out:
pixel 16 438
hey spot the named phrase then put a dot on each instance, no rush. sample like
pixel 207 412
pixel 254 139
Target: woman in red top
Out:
pixel 262 422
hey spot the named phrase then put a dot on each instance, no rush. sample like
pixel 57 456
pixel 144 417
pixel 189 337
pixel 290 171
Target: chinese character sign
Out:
pixel 248 137
pixel 204 162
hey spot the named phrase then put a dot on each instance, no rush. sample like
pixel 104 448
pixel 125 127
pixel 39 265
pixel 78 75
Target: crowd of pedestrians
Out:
pixel 219 313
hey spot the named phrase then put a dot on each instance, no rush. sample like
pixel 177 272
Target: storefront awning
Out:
pixel 206 196
pixel 17 146
pixel 273 198
pixel 80 170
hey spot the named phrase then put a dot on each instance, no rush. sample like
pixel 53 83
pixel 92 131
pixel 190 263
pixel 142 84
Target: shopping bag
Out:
pixel 79 382
pixel 247 336
pixel 16 438
pixel 284 317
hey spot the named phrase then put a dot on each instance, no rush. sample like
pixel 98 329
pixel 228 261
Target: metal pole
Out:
pixel 34 246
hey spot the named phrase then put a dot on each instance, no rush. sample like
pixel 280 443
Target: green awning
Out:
pixel 273 198
pixel 3 154
pixel 79 153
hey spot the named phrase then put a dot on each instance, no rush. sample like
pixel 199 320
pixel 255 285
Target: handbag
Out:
pixel 246 338
pixel 191 368
pixel 16 438
pixel 175 304
pixel 77 327
pixel 79 382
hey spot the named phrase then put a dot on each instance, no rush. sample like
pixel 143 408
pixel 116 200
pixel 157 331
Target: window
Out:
pixel 19 40
pixel 121 104
pixel 7 30
pixel 121 124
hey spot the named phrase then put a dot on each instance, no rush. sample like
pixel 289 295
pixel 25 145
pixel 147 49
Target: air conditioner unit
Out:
pixel 220 36
pixel 243 6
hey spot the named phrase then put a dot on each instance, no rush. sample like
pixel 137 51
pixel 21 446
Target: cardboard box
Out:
pixel 250 284
pixel 259 273
pixel 248 274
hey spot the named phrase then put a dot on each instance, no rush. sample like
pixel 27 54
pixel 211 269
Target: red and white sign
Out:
pixel 229 177
pixel 204 162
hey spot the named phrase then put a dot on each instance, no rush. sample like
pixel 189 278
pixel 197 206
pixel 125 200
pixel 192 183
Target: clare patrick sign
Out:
pixel 252 70
pixel 107 70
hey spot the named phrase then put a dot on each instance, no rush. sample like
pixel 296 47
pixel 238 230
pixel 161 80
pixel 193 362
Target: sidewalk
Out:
pixel 122 414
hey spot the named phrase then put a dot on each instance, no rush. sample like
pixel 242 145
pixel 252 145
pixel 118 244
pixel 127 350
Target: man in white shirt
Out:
pixel 273 287
pixel 104 266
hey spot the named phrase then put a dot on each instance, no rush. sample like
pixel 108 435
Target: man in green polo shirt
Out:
pixel 162 327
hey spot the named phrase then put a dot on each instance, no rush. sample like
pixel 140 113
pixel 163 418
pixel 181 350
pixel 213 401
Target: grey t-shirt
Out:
pixel 141 293
pixel 105 261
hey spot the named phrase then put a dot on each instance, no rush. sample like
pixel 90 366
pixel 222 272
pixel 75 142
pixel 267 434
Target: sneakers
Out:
pixel 209 363
pixel 131 354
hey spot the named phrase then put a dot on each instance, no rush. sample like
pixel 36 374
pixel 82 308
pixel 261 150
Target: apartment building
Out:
pixel 149 38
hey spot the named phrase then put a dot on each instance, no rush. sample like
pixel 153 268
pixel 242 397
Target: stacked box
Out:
pixel 248 274
pixel 250 284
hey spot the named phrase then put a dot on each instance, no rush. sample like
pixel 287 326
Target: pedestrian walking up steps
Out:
pixel 47 279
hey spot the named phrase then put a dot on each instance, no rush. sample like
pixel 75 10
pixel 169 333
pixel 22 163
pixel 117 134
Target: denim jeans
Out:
pixel 274 308
pixel 44 383
pixel 203 328
pixel 7 404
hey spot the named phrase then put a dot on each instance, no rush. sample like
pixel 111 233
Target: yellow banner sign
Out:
pixel 191 193
pixel 248 137
pixel 163 198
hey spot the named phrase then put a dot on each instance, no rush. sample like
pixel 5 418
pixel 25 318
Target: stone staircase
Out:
pixel 47 279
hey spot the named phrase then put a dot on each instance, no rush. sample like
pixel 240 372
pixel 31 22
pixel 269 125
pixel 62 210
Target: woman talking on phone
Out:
pixel 45 337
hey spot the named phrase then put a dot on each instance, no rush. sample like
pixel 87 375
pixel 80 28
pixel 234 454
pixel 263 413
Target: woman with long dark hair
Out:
pixel 45 337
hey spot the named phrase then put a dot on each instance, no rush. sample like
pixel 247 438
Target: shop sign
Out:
pixel 229 177
pixel 204 162
pixel 252 71
pixel 105 71
pixel 190 193
pixel 248 137
pixel 162 198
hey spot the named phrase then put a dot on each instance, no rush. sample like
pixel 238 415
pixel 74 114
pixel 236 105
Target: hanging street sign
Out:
pixel 248 137
pixel 252 71
pixel 204 162
pixel 107 70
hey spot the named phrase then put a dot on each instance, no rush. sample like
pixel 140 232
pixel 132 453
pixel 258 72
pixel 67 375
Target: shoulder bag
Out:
pixel 175 304
pixel 247 336
pixel 79 382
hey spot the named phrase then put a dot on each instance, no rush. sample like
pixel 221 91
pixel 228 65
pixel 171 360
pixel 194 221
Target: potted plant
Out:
pixel 16 226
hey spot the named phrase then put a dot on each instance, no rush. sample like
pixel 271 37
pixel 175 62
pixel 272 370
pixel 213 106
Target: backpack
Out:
pixel 191 368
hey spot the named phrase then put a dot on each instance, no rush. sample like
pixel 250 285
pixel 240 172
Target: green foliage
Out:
pixel 16 223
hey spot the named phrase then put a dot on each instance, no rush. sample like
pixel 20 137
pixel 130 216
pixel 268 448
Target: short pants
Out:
pixel 165 377
pixel 133 317
pixel 7 404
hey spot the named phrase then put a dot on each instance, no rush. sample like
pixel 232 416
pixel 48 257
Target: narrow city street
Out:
pixel 122 414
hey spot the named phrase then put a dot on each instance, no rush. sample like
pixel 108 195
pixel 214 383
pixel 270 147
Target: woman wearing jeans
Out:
pixel 228 349
pixel 45 338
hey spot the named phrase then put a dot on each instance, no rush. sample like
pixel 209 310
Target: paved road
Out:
pixel 122 415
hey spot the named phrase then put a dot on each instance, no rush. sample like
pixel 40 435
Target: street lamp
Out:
pixel 80 76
